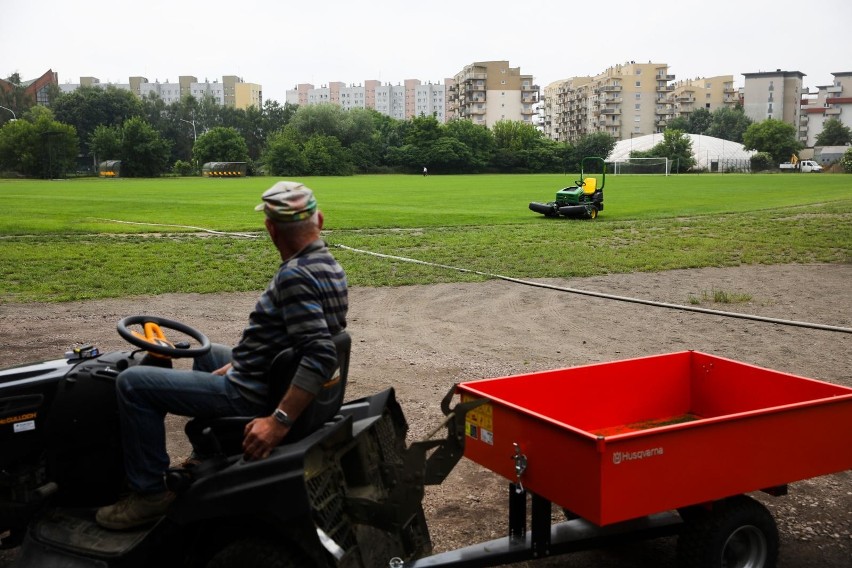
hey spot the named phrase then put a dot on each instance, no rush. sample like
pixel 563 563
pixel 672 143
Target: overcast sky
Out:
pixel 279 44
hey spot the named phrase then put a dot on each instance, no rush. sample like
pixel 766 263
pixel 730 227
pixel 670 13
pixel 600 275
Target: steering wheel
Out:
pixel 154 341
pixel 580 183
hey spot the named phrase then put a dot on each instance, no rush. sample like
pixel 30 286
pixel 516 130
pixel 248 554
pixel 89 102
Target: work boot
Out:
pixel 135 510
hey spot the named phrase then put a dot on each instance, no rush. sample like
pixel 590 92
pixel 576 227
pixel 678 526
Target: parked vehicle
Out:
pixel 803 166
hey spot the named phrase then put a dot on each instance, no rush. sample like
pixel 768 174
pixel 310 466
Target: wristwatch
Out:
pixel 282 417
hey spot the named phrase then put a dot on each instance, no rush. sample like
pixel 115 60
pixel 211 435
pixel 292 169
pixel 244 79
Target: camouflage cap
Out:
pixel 288 201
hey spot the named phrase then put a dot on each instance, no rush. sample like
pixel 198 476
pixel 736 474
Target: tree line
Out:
pixel 80 129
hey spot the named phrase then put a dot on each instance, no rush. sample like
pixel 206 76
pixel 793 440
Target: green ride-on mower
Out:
pixel 584 200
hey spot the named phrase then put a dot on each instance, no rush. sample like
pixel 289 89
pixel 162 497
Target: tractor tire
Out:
pixel 739 532
pixel 593 213
pixel 258 553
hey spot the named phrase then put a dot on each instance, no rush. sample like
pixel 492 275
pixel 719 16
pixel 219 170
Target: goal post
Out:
pixel 660 166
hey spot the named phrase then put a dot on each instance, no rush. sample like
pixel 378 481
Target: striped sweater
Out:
pixel 303 306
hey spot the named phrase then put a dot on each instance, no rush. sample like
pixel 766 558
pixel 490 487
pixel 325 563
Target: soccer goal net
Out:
pixel 641 166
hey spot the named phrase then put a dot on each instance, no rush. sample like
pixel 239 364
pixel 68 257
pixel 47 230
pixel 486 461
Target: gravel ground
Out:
pixel 423 339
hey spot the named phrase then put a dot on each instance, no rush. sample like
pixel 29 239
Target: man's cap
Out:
pixel 288 201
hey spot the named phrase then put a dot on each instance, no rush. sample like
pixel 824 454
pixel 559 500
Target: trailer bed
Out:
pixel 621 440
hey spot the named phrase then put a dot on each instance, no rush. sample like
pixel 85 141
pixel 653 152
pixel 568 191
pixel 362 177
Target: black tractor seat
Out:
pixel 224 435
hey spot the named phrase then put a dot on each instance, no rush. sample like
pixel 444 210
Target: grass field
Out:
pixel 62 240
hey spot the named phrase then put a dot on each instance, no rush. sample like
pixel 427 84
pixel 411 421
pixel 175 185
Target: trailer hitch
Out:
pixel 445 452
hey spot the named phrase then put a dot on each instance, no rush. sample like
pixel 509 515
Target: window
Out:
pixel 638 106
pixel 638 83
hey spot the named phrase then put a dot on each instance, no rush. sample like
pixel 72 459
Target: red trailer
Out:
pixel 660 445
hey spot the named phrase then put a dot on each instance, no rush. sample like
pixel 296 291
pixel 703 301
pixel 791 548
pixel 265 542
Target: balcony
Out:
pixel 832 111
pixel 611 111
pixel 611 89
pixel 664 89
pixel 834 89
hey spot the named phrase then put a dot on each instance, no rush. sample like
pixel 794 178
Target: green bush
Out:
pixel 762 161
pixel 182 168
pixel 846 161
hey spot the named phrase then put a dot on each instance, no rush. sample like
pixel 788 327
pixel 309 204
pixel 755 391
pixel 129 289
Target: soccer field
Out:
pixel 90 238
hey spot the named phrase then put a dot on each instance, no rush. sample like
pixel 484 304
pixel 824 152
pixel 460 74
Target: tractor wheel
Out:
pixel 593 214
pixel 738 532
pixel 258 553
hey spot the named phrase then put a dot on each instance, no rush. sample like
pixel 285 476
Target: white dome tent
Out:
pixel 711 154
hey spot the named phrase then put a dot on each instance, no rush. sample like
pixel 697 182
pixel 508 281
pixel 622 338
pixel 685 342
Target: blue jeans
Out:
pixel 146 394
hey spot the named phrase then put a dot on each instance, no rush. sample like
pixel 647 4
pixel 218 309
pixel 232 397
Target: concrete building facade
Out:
pixel 709 93
pixel 403 101
pixel 486 92
pixel 776 95
pixel 626 100
pixel 232 91
pixel 828 102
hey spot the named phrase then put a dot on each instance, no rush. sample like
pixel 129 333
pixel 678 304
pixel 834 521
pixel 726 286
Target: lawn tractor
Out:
pixel 580 201
pixel 635 449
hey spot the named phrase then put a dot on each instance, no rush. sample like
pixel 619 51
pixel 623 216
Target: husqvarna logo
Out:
pixel 620 457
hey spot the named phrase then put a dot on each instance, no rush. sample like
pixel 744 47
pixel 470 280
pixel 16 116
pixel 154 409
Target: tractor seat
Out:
pixel 225 434
pixel 589 185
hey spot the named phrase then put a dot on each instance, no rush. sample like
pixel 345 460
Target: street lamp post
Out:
pixel 194 138
pixel 14 116
pixel 192 122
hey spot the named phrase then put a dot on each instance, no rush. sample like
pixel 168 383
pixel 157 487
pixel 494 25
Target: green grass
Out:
pixel 58 242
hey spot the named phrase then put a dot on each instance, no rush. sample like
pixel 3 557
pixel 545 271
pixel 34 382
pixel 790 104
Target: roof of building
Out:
pixel 705 149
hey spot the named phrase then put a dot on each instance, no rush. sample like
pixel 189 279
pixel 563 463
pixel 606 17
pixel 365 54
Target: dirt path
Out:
pixel 423 339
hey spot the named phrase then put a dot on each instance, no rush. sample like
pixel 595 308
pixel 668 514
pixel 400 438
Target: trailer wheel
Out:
pixel 258 553
pixel 738 532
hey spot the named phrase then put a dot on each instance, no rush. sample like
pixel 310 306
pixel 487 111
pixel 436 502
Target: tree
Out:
pixel 448 155
pixel 326 156
pixel 143 152
pixel 515 135
pixel 834 133
pixel 282 155
pixel 774 137
pixel 729 123
pixel 676 146
pixel 89 107
pixel 36 145
pixel 220 145
pixel 105 143
pixel 598 144
pixel 478 140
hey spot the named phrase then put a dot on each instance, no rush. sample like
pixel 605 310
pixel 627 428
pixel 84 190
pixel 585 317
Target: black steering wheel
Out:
pixel 155 341
pixel 580 183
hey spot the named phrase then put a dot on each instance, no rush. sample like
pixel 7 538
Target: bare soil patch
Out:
pixel 423 339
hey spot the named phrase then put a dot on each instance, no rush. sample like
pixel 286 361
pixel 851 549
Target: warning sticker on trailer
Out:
pixel 479 422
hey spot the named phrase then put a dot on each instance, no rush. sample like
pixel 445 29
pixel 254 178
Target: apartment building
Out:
pixel 776 95
pixel 626 100
pixel 486 92
pixel 828 102
pixel 232 91
pixel 402 101
pixel 709 93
